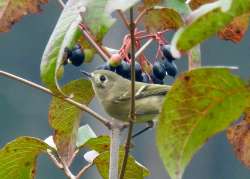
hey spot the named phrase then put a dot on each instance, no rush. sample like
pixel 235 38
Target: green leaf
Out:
pixel 12 11
pixel 200 104
pixel 62 36
pixel 158 19
pixel 18 158
pixel 84 134
pixel 207 21
pixel 99 144
pixel 97 17
pixel 64 118
pixel 134 170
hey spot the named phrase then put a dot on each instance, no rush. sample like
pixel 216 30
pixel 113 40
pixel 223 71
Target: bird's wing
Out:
pixel 143 91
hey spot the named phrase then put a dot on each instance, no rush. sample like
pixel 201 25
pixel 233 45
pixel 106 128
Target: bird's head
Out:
pixel 103 81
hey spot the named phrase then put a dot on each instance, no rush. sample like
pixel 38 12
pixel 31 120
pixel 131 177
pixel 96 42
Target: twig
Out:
pixel 88 37
pixel 140 16
pixel 132 108
pixel 61 3
pixel 83 170
pixel 55 160
pixel 114 152
pixel 67 171
pixel 194 58
pixel 123 18
pixel 141 50
pixel 69 100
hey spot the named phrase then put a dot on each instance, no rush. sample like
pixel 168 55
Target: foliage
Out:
pixel 200 103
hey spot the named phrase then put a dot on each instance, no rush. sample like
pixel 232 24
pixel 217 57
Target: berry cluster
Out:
pixel 123 69
pixel 160 69
pixel 75 56
pixel 120 62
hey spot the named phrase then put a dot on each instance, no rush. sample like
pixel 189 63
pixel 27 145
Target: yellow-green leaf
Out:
pixel 64 118
pixel 18 158
pixel 134 170
pixel 158 19
pixel 206 21
pixel 200 104
pixel 99 144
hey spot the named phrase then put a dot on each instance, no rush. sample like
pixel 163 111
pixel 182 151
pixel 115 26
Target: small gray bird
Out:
pixel 114 93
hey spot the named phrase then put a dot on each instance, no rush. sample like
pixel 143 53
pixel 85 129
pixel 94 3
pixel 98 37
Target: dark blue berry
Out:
pixel 138 70
pixel 167 54
pixel 106 66
pixel 155 80
pixel 77 56
pixel 170 67
pixel 144 78
pixel 159 70
pixel 123 69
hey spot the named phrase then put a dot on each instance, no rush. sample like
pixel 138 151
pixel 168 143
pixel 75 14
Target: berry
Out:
pixel 123 69
pixel 159 70
pixel 155 79
pixel 77 56
pixel 106 66
pixel 167 54
pixel 115 60
pixel 170 67
pixel 138 70
pixel 144 78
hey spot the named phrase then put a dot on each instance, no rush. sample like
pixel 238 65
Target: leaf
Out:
pixel 158 19
pixel 84 134
pixel 194 4
pixel 64 118
pixel 97 18
pixel 207 21
pixel 200 104
pixel 239 137
pixel 236 30
pixel 99 144
pixel 62 36
pixel 18 158
pixel 12 11
pixel 178 5
pixel 134 170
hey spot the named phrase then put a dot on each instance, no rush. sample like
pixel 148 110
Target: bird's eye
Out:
pixel 102 78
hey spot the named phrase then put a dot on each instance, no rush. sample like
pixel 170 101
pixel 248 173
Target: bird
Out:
pixel 114 93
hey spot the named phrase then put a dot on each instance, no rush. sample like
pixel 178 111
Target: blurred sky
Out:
pixel 23 110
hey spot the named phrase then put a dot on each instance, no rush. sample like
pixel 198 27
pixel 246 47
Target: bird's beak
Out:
pixel 87 74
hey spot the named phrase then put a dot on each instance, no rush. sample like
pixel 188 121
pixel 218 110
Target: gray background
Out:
pixel 23 110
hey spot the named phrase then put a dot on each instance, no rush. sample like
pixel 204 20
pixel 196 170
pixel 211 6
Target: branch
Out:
pixel 123 18
pixel 114 152
pixel 141 50
pixel 83 170
pixel 67 171
pixel 69 100
pixel 194 58
pixel 140 16
pixel 132 108
pixel 55 160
